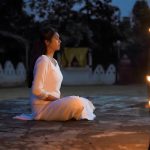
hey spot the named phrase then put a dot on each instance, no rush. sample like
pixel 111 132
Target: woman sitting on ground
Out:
pixel 45 98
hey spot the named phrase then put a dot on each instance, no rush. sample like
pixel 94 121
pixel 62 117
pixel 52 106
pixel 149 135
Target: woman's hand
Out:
pixel 50 98
pixel 61 96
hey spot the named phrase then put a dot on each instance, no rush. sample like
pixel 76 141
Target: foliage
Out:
pixel 141 36
pixel 14 19
pixel 81 23
pixel 87 23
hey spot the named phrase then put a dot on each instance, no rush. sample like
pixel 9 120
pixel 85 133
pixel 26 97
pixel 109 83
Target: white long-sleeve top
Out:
pixel 47 80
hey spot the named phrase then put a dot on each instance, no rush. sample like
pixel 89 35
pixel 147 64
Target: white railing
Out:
pixel 79 76
pixel 9 76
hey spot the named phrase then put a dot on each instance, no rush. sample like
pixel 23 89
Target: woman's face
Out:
pixel 55 42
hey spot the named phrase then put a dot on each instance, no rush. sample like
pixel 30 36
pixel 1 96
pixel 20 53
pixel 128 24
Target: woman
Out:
pixel 45 98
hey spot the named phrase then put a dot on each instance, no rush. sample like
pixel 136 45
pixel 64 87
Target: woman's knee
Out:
pixel 77 104
pixel 74 103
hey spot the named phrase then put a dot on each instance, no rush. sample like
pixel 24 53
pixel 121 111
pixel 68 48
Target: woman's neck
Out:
pixel 50 54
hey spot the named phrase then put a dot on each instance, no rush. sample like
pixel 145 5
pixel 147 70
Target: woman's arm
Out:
pixel 50 98
pixel 40 72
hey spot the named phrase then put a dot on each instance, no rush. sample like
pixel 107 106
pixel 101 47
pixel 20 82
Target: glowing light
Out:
pixel 148 78
pixel 149 103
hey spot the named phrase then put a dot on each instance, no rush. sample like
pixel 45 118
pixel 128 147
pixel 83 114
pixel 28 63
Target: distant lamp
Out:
pixel 148 29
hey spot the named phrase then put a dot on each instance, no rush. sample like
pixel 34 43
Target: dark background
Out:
pixel 96 25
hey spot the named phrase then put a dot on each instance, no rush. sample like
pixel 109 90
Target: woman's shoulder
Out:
pixel 42 58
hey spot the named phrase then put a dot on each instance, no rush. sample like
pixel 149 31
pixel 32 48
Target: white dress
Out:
pixel 47 81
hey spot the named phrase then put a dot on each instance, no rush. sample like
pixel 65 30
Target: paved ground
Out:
pixel 122 122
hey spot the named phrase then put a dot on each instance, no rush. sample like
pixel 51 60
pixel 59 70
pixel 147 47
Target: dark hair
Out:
pixel 46 33
pixel 39 48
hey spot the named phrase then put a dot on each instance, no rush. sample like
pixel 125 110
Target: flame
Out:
pixel 148 78
pixel 149 103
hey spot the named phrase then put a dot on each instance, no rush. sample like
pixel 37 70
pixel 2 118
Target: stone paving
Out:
pixel 122 123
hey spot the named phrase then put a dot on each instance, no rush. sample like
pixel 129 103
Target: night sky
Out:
pixel 125 6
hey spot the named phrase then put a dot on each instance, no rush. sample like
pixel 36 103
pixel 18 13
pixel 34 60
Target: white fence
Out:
pixel 79 76
pixel 9 76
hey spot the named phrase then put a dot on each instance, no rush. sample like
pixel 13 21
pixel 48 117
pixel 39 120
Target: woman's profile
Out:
pixel 46 101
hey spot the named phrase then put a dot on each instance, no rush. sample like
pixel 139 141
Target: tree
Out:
pixel 14 19
pixel 141 23
pixel 103 19
pixel 83 23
